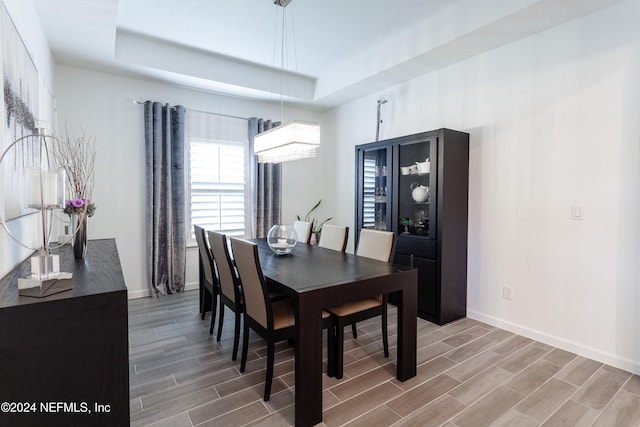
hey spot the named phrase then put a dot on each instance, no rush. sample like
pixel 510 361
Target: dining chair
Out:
pixel 230 290
pixel 377 245
pixel 303 230
pixel 334 237
pixel 209 281
pixel 272 320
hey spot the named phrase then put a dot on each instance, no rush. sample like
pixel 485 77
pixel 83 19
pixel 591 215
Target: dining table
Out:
pixel 316 278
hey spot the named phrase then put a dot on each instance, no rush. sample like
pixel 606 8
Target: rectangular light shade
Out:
pixel 291 141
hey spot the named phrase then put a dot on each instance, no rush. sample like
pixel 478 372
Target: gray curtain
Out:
pixel 165 201
pixel 267 179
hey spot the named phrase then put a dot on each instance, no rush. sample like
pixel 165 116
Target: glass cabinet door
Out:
pixel 375 195
pixel 416 188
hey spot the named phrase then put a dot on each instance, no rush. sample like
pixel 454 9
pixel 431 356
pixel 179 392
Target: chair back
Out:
pixel 254 287
pixel 226 273
pixel 205 255
pixel 376 244
pixel 334 237
pixel 303 230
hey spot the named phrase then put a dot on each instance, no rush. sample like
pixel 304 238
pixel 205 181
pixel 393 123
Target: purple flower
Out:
pixel 78 206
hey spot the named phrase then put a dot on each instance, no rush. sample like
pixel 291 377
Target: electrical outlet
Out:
pixel 506 292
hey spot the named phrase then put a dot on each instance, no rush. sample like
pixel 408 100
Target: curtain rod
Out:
pixel 134 101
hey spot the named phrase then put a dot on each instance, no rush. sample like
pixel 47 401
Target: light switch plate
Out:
pixel 577 213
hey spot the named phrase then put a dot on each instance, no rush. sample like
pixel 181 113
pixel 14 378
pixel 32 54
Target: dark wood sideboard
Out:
pixel 64 359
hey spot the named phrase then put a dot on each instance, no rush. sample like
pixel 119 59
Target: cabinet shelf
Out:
pixel 414 174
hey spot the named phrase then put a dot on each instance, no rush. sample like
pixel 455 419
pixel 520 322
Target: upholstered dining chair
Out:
pixel 378 245
pixel 303 230
pixel 334 237
pixel 209 281
pixel 230 290
pixel 272 320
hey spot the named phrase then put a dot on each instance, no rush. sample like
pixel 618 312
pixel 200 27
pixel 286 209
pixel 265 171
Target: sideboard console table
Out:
pixel 64 358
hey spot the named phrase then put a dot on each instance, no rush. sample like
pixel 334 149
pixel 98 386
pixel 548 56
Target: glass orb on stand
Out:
pixel 282 238
pixel 36 183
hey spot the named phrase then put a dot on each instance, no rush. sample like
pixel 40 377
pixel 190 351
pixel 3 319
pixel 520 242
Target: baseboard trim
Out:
pixel 571 346
pixel 145 293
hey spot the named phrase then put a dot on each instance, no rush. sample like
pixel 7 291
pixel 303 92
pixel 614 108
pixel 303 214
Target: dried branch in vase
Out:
pixel 77 155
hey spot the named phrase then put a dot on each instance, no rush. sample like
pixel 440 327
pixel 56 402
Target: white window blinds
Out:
pixel 218 173
pixel 368 196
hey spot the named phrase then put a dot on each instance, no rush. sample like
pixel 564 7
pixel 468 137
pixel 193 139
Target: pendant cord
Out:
pixel 282 64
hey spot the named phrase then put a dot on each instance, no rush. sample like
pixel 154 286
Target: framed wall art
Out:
pixel 20 82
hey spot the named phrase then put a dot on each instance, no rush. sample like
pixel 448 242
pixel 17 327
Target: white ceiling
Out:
pixel 344 49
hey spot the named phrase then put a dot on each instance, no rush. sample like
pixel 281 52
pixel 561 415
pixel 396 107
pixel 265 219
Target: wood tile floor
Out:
pixel 469 374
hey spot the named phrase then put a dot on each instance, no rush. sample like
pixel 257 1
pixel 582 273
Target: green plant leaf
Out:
pixel 308 215
pixel 319 228
pixel 315 226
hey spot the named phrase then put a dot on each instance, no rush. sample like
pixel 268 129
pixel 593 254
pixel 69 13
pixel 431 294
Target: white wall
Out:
pixel 26 21
pixel 100 104
pixel 314 181
pixel 554 123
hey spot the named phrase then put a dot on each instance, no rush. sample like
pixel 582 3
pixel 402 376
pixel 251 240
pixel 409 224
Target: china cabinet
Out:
pixel 417 187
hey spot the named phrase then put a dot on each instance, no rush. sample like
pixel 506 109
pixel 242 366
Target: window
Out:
pixel 218 189
pixel 368 198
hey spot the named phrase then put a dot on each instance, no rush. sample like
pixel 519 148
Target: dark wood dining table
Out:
pixel 317 278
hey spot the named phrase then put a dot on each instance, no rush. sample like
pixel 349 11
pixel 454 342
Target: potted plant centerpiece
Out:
pixel 77 156
pixel 316 227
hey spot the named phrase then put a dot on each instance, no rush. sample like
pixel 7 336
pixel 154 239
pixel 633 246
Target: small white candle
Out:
pixel 51 186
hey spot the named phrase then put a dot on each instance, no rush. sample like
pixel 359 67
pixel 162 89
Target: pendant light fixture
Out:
pixel 293 140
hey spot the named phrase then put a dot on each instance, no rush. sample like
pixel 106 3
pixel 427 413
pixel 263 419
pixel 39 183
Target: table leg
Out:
pixel 308 400
pixel 407 326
